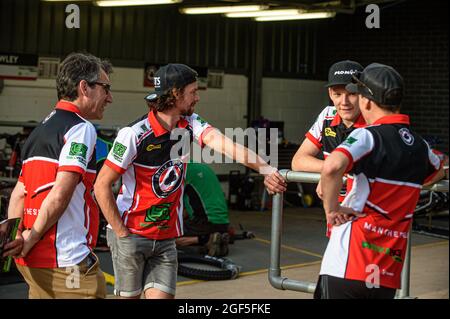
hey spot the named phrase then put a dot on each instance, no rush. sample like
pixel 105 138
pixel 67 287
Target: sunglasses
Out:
pixel 356 80
pixel 106 86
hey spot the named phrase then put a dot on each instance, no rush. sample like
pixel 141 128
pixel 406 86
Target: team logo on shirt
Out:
pixel 157 215
pixel 396 254
pixel 152 147
pixel 330 132
pixel 201 120
pixel 406 136
pixel 168 178
pixel 119 151
pixel 349 141
pixel 78 151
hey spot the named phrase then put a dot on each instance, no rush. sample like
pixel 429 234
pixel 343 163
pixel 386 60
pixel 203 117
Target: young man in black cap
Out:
pixel 333 124
pixel 148 215
pixel 365 254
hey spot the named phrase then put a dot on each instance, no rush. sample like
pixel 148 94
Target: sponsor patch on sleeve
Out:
pixel 118 151
pixel 78 151
pixel 349 141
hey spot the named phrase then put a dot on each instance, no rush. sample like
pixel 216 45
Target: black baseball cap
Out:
pixel 341 72
pixel 380 83
pixel 171 76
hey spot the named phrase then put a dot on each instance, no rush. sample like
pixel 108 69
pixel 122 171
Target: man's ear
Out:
pixel 176 93
pixel 329 92
pixel 82 88
pixel 364 103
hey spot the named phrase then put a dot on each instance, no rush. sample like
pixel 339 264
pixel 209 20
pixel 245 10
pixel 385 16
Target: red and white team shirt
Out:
pixel 64 141
pixel 151 197
pixel 390 163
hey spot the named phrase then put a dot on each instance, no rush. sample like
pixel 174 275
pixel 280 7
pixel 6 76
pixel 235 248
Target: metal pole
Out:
pixel 275 243
pixel 403 293
pixel 275 278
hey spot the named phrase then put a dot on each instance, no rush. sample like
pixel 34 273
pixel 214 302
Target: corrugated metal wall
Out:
pixel 133 35
pixel 290 49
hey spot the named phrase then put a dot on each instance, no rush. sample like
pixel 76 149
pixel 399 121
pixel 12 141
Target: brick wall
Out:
pixel 413 38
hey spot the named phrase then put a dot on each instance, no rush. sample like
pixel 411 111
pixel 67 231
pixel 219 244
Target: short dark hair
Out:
pixel 393 95
pixel 75 68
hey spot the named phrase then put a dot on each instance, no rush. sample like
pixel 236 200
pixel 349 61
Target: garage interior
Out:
pixel 252 71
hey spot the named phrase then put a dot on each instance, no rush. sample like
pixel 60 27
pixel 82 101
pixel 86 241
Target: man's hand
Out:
pixel 342 216
pixel 275 183
pixel 13 248
pixel 123 232
pixel 29 240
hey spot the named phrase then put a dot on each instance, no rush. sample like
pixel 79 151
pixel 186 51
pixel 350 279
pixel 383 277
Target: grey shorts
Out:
pixel 141 263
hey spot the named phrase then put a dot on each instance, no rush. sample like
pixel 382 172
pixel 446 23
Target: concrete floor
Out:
pixel 303 245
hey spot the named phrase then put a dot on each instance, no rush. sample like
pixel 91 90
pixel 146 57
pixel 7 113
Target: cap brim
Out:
pixel 151 97
pixel 328 85
pixel 352 88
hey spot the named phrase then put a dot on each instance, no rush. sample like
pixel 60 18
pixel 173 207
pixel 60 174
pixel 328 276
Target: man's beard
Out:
pixel 189 111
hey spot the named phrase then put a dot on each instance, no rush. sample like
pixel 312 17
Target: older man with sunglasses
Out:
pixel 53 196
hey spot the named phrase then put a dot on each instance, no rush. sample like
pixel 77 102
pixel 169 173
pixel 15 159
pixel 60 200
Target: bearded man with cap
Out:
pixel 390 163
pixel 148 215
pixel 333 124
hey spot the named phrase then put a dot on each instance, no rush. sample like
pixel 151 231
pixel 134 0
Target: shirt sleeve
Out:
pixel 199 127
pixel 78 149
pixel 435 164
pixel 315 132
pixel 357 145
pixel 124 150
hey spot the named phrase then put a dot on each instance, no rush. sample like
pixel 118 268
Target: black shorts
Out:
pixel 329 287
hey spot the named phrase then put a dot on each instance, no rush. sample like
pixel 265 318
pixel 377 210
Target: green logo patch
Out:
pixel 158 213
pixel 395 254
pixel 350 141
pixel 201 120
pixel 118 151
pixel 78 149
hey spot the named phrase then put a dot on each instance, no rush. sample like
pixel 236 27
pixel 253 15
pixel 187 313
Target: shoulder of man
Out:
pixel 327 114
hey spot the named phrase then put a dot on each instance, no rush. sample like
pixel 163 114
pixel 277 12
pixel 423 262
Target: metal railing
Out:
pixel 283 283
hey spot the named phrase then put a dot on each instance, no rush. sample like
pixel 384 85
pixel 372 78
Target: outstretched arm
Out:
pixel 274 182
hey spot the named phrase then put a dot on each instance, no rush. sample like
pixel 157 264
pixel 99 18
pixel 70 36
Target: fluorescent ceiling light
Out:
pixel 65 0
pixel 122 3
pixel 301 16
pixel 264 13
pixel 226 9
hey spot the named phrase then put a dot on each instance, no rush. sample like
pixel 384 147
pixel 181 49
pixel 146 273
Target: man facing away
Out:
pixel 365 255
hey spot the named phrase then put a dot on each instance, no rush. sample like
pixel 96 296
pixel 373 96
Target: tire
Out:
pixel 226 269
